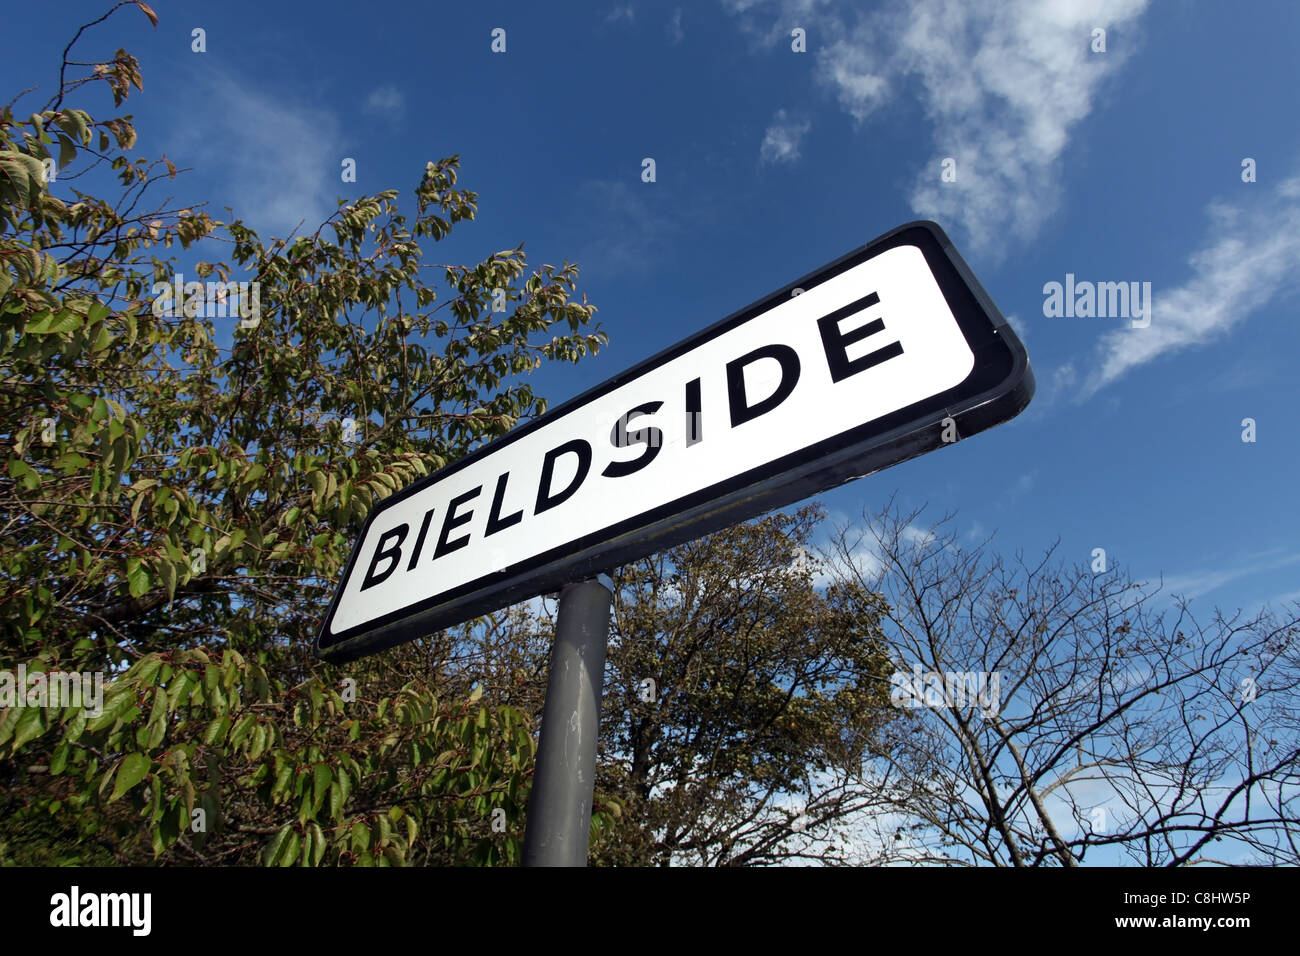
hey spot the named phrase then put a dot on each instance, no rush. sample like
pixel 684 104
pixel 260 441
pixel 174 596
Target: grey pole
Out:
pixel 559 810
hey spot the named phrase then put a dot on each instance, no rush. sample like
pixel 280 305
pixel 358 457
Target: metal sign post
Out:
pixel 559 811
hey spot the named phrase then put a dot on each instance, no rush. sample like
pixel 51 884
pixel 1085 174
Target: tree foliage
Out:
pixel 178 493
pixel 768 692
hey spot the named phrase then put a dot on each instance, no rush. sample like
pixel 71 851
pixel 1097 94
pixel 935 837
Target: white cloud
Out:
pixel 276 160
pixel 851 69
pixel 1250 256
pixel 782 139
pixel 623 11
pixel 1196 583
pixel 740 6
pixel 675 32
pixel 1002 83
pixel 1023 485
pixel 865 556
pixel 386 101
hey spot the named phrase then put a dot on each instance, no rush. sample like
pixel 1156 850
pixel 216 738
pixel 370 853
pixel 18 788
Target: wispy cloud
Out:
pixel 865 556
pixel 632 233
pixel 1003 84
pixel 1022 486
pixel 276 160
pixel 674 29
pixel 386 101
pixel 782 139
pixel 622 11
pixel 1249 258
pixel 1195 583
pixel 1290 597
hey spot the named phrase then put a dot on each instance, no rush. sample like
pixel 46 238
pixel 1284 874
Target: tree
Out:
pixel 766 692
pixel 1105 727
pixel 174 513
pixel 739 699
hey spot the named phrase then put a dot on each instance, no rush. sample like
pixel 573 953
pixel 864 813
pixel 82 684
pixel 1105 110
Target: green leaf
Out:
pixel 145 670
pixel 30 725
pixel 76 122
pixel 167 571
pixel 360 836
pixel 130 771
pixel 118 701
pixel 321 778
pixel 241 729
pixel 67 151
pixel 282 776
pixel 271 852
pixel 55 323
pixel 289 853
pixel 316 842
pixel 319 482
pixel 218 731
pixel 25 173
pixel 138 580
pixel 59 759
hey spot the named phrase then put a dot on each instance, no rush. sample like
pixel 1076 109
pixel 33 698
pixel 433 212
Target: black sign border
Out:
pixel 998 388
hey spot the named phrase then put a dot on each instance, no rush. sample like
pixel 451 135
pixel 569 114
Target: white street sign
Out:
pixel 878 355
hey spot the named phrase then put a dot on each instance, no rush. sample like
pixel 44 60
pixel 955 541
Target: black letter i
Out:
pixel 694 415
pixel 419 540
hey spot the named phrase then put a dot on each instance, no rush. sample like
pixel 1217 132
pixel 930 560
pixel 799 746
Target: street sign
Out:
pixel 889 352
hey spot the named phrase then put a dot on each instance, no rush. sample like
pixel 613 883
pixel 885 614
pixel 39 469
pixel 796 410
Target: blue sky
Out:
pixel 1123 165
